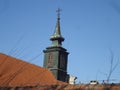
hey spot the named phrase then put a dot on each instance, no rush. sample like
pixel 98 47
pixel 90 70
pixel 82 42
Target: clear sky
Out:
pixel 91 29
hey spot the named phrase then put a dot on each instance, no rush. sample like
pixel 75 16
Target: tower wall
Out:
pixel 55 59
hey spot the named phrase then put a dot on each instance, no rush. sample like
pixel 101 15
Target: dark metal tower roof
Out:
pixel 57 33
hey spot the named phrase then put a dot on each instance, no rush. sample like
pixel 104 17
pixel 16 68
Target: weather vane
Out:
pixel 58 12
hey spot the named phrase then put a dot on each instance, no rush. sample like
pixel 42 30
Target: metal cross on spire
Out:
pixel 58 12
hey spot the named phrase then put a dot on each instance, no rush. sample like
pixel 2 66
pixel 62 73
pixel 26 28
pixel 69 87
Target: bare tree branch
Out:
pixel 112 66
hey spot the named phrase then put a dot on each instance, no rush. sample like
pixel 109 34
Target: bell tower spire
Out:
pixel 55 56
pixel 57 38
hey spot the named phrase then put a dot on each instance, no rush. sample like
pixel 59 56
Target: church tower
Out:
pixel 55 56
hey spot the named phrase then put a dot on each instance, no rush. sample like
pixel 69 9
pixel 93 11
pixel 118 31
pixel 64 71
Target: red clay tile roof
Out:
pixel 20 75
pixel 15 72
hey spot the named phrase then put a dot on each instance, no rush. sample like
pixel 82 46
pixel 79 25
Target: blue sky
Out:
pixel 91 29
